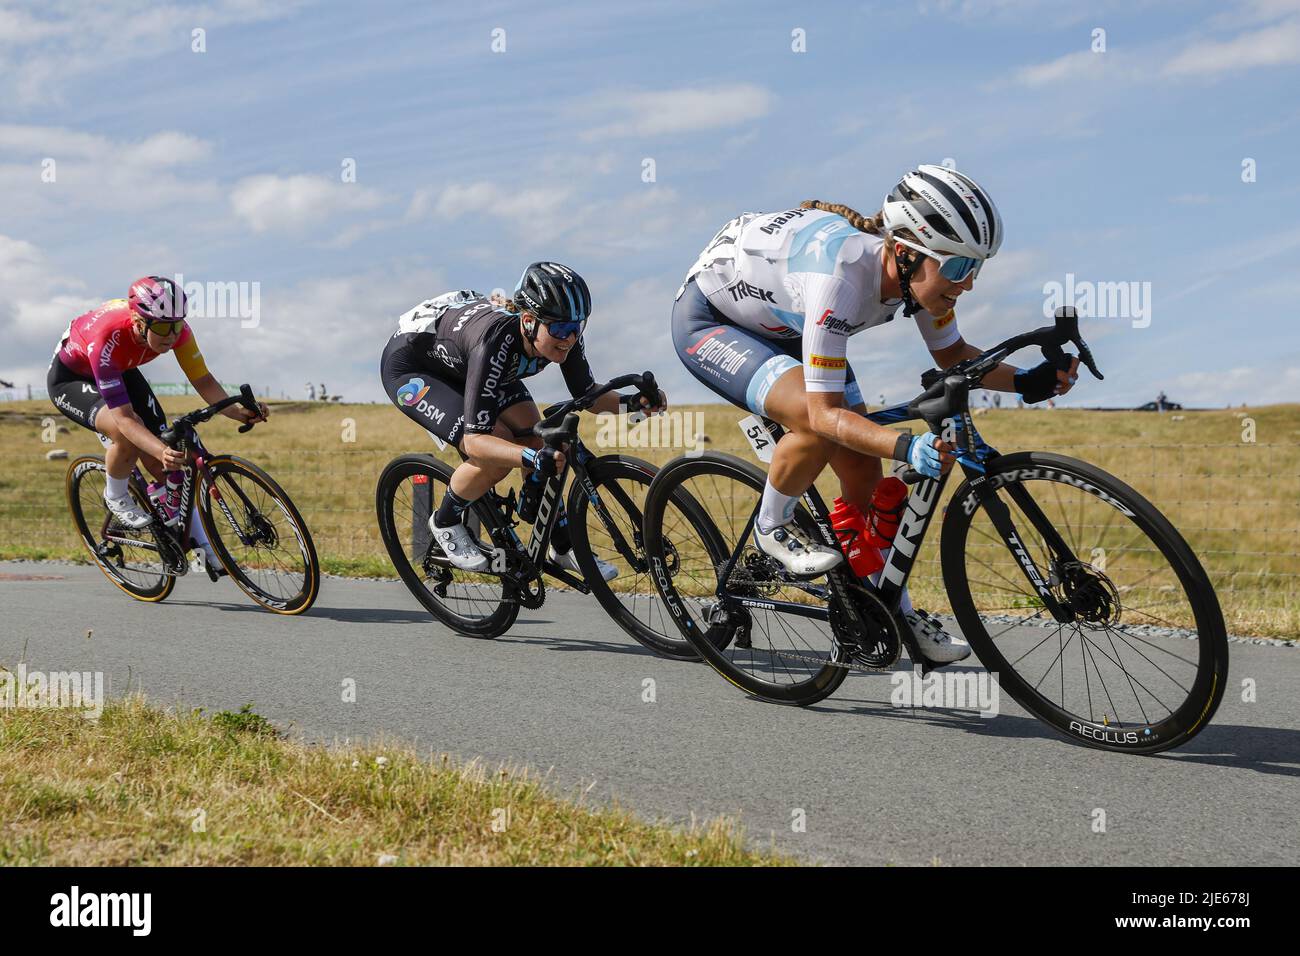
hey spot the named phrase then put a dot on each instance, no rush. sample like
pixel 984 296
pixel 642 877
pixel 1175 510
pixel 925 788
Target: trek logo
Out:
pixel 910 532
pixel 1027 563
pixel 775 226
pixel 106 351
pixel 832 323
pixel 743 290
pixel 724 356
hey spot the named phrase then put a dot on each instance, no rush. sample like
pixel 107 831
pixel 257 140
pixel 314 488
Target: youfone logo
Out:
pixel 412 391
pixel 497 367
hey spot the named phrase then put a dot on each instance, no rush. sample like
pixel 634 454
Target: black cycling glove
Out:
pixel 1038 383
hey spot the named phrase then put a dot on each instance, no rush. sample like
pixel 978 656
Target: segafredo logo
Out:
pixel 412 391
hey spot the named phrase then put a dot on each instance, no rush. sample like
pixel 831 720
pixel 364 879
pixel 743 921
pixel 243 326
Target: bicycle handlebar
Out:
pixel 555 435
pixel 947 391
pixel 179 426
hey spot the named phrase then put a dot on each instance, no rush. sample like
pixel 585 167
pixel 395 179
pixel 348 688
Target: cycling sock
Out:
pixel 449 512
pixel 198 536
pixel 777 509
pixel 117 487
pixel 560 539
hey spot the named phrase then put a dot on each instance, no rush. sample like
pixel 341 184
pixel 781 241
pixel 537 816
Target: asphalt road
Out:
pixel 563 692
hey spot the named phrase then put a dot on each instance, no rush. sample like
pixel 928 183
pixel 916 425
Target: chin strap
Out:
pixel 905 272
pixel 529 327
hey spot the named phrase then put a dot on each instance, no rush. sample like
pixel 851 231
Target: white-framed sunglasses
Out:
pixel 952 268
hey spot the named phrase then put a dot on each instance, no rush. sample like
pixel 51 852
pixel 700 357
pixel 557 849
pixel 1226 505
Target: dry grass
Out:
pixel 145 786
pixel 1237 502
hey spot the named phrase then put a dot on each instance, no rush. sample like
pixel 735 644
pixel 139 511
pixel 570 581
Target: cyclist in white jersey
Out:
pixel 764 317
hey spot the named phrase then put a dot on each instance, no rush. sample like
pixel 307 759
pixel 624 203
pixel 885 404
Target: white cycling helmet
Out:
pixel 946 211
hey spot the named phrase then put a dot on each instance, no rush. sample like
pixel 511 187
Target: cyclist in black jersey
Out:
pixel 455 367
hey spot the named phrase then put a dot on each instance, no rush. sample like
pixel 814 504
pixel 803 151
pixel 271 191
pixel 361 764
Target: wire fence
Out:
pixel 1236 504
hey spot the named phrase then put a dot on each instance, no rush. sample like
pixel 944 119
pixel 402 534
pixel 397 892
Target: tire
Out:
pixel 395 506
pixel 291 585
pixel 717 643
pixel 622 482
pixel 1043 477
pixel 84 484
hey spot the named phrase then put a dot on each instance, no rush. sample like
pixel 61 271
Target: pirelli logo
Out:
pixel 827 361
pixel 945 320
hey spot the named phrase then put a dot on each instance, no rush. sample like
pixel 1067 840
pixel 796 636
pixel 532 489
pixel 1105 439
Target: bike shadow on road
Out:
pixel 574 643
pixel 1271 750
pixel 345 615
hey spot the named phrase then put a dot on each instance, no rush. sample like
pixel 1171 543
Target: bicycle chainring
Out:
pixel 863 625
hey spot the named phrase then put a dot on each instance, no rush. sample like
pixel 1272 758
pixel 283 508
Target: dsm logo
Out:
pixel 412 391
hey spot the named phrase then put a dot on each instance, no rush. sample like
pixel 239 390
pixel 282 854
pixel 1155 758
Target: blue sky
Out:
pixel 1117 166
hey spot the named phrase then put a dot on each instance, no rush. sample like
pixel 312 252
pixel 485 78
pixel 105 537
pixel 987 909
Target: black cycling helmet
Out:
pixel 553 292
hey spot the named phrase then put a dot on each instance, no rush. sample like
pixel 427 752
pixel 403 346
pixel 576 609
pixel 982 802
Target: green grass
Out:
pixel 146 786
pixel 1237 502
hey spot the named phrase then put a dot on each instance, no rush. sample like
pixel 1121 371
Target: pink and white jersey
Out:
pixel 805 273
pixel 100 345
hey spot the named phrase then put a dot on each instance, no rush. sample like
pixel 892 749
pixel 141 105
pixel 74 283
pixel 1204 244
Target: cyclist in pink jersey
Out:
pixel 94 379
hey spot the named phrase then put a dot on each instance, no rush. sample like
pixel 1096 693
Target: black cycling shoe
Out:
pixel 214 570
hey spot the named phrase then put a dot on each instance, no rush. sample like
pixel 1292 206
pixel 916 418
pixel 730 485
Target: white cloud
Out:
pixel 1072 66
pixel 36 304
pixel 456 200
pixel 663 112
pixel 1274 45
pixel 270 203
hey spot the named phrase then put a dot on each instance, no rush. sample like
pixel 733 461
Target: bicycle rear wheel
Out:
pixel 1141 663
pixel 131 559
pixel 258 535
pixel 781 655
pixel 409 491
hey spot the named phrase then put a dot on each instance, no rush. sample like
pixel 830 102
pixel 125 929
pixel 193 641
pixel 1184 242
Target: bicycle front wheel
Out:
pixel 1137 660
pixel 258 535
pixel 765 633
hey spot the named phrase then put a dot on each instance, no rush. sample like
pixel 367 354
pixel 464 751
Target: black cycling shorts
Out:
pixel 78 397
pixel 433 403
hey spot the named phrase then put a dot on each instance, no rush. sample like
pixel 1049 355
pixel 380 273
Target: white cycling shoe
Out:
pixel 569 561
pixel 936 645
pixel 128 512
pixel 460 547
pixel 797 554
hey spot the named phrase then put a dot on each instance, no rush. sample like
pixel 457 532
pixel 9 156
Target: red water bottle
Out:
pixel 850 526
pixel 886 511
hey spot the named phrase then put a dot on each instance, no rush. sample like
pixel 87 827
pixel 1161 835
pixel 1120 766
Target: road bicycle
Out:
pixel 254 528
pixel 1085 602
pixel 604 515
